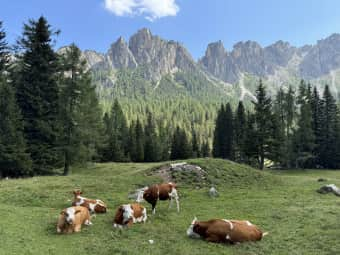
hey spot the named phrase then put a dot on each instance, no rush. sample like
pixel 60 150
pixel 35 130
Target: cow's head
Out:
pixel 70 214
pixel 192 230
pixel 77 192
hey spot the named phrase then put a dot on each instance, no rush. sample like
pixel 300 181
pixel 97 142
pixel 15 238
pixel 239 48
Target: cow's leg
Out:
pixel 170 201
pixel 174 195
pixel 145 217
pixel 77 228
pixel 154 207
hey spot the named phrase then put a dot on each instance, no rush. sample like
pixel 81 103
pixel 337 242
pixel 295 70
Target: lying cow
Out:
pixel 128 214
pixel 225 231
pixel 71 219
pixel 164 191
pixel 93 205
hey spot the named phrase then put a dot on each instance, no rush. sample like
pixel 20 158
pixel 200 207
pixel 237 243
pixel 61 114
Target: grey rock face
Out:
pixel 120 56
pixel 322 58
pixel 161 56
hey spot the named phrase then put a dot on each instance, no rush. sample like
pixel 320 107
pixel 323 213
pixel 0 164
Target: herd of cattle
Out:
pixel 72 218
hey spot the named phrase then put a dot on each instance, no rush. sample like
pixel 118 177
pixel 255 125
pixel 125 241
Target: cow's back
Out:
pixel 245 231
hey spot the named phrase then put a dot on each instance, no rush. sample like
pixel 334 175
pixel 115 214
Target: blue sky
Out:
pixel 95 24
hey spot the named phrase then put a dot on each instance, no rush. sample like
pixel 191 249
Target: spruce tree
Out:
pixel 228 134
pixel 304 140
pixel 117 144
pixel 218 133
pixel 316 107
pixel 263 123
pixel 180 148
pixel 152 152
pixel 240 132
pixel 205 149
pixel 37 94
pixel 76 116
pixel 329 135
pixel 14 159
pixel 196 150
pixel 139 133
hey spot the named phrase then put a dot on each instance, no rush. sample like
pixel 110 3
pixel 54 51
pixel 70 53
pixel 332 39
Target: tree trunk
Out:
pixel 66 164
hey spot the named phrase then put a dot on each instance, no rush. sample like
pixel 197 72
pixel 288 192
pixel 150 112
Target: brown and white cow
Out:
pixel 72 218
pixel 93 205
pixel 128 214
pixel 225 231
pixel 164 191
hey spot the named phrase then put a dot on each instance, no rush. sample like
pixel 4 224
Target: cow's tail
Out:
pixel 265 234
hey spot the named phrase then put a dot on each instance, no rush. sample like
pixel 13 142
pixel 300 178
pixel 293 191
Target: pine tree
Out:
pixel 14 160
pixel 152 152
pixel 180 148
pixel 228 134
pixel 37 94
pixel 205 149
pixel 263 123
pixel 118 139
pixel 139 157
pixel 218 134
pixel 304 140
pixel 196 150
pixel 240 132
pixel 250 147
pixel 329 154
pixel 76 116
pixel 316 107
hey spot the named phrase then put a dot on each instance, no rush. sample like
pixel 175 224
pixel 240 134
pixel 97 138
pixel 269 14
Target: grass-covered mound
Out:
pixel 300 220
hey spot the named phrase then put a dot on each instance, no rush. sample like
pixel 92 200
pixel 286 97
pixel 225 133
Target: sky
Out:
pixel 95 24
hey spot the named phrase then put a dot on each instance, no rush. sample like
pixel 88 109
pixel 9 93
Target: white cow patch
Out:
pixel 248 223
pixel 227 237
pixel 70 214
pixel 128 213
pixel 230 223
pixel 92 206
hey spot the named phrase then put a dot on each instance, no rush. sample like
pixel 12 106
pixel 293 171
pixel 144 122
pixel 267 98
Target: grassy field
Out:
pixel 300 221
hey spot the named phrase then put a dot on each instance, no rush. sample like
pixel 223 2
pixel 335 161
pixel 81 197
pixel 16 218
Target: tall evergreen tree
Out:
pixel 228 134
pixel 14 160
pixel 118 135
pixel 37 94
pixel 152 152
pixel 219 133
pixel 180 148
pixel 304 140
pixel 263 123
pixel 75 97
pixel 316 107
pixel 329 154
pixel 205 149
pixel 196 150
pixel 240 124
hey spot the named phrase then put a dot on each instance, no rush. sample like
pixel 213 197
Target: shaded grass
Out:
pixel 300 221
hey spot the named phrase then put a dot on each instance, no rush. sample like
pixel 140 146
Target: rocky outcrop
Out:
pixel 120 56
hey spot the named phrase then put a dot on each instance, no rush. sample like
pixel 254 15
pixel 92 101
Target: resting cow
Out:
pixel 71 219
pixel 128 214
pixel 164 191
pixel 93 205
pixel 225 231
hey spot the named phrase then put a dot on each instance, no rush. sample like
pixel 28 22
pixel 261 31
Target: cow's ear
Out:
pixel 78 211
pixel 63 212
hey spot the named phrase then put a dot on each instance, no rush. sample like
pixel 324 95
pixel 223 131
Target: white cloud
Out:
pixel 150 9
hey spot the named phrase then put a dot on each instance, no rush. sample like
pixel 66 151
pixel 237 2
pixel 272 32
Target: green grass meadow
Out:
pixel 284 203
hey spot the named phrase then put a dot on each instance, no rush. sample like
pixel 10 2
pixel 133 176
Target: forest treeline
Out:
pixel 51 117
